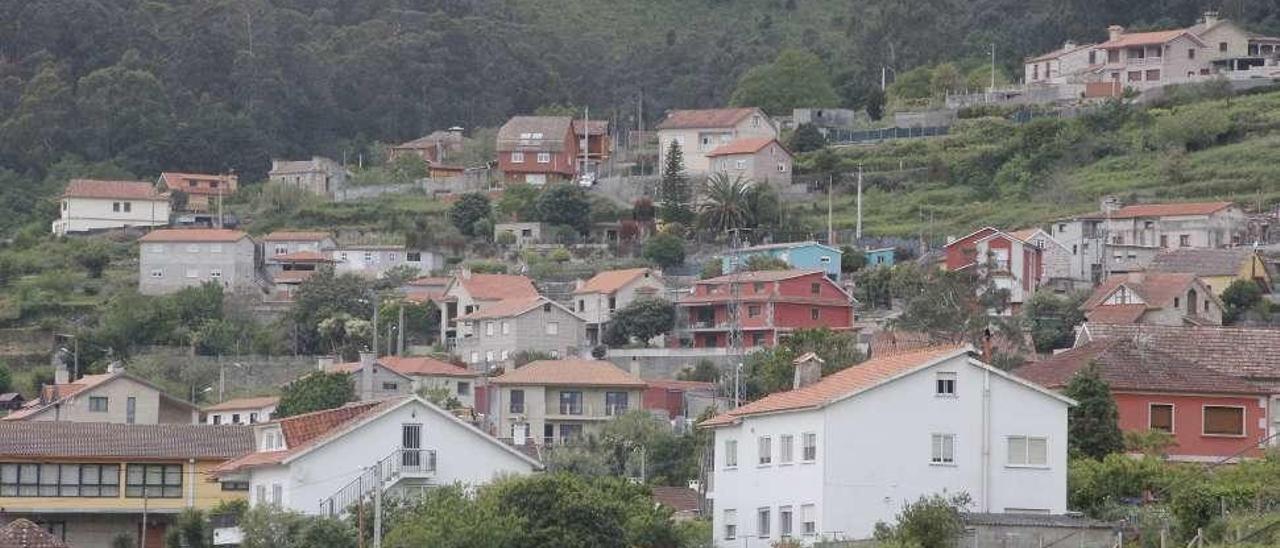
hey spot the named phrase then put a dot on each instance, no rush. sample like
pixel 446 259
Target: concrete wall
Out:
pixel 166 267
pixel 85 214
pixel 983 536
pixel 241 416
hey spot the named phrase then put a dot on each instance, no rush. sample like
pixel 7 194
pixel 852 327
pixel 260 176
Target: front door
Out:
pixel 411 443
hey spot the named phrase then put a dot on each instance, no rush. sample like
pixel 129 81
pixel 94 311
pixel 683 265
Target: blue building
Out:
pixel 880 257
pixel 798 255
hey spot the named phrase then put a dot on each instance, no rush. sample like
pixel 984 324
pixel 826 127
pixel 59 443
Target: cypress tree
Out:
pixel 674 190
pixel 1092 425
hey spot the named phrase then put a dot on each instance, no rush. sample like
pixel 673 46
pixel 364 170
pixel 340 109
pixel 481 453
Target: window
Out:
pixel 217 419
pixel 506 329
pixel 59 480
pixel 1160 417
pixel 1222 46
pixel 757 339
pixel 368 257
pixel 193 248
pixel 235 486
pixel 762 522
pixel 944 446
pixel 464 388
pixel 571 403
pixel 544 157
pixel 193 273
pixel 488 356
pixel 1093 58
pixel 215 272
pixel 115 207
pixel 553 328
pixel 1028 451
pixel 155 248
pixel 782 167
pixel 1135 76
pixel 730 524
pixel 475 357
pixel 215 248
pixel 613 304
pixel 260 494
pixel 1223 421
pixel 758 287
pixel 740 164
pixel 1184 240
pixel 582 305
pixel 815 313
pixel 272 440
pixel 488 329
pixel 1177 302
pixel 235 418
pixel 517 157
pixel 1153 75
pixel 945 384
pixel 808 519
pixel 1164 241
pixel 277 494
pixel 555 354
pixel 784 521
pixel 157 273
pixel 282 249
pixel 615 403
pixel 730 453
pixel 253 418
pixel 504 355
pixel 130 410
pixel 785 443
pixel 413 256
pixel 153 480
pixel 390 386
pixel 517 401
pixel 815 288
pixel 98 404
pixel 808 446
pixel 764 448
pixel 570 432
pixel 1191 53
pixel 753 310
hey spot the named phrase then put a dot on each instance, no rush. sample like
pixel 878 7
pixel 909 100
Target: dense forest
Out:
pixel 132 87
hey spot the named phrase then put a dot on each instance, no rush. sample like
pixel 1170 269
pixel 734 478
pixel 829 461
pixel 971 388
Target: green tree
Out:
pixel 756 263
pixel 323 296
pixel 469 209
pixel 875 104
pixel 448 516
pixel 642 319
pixel 1240 297
pixel 772 369
pixel 1053 319
pixel 674 191
pixel 724 206
pixel 703 371
pixel 933 521
pixel 6 379
pixel 38 131
pixel 268 527
pixel 190 530
pixel 795 79
pixel 316 392
pixel 522 357
pixel 519 202
pixel 955 307
pixel 665 249
pixel 713 268
pixel 851 259
pixel 806 138
pixel 565 205
pixel 1093 426
pixel 94 257
pixel 125 109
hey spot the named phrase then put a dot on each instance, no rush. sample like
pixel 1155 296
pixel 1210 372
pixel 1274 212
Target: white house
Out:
pixel 322 462
pixel 833 457
pixel 597 298
pixel 89 204
pixel 241 410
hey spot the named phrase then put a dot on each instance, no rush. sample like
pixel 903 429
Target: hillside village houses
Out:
pixel 1154 298
pixel 776 303
pixel 89 205
pixel 560 401
pixel 403 375
pixel 1012 263
pixel 806 255
pixel 596 299
pixel 202 190
pixel 241 410
pixel 538 149
pixel 114 396
pixel 171 259
pixel 699 132
pixel 820 461
pixel 758 159
pixel 1217 268
pixel 492 335
pixel 437 148
pixel 595 145
pixel 468 292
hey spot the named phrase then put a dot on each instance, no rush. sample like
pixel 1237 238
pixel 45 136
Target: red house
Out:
pixel 202 190
pixel 1015 264
pixel 593 136
pixel 538 149
pixel 671 397
pixel 771 304
pixel 1212 415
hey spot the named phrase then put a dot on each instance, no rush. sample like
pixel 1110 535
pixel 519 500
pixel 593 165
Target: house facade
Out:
pixel 114 397
pixel 822 461
pixel 88 205
pixel 171 259
pixel 808 255
pixel 202 190
pixel 319 175
pixel 320 463
pixel 427 373
pixel 538 149
pixel 757 159
pixel 698 132
pixel 770 305
pixel 1013 264
pixel 1154 298
pixel 89 482
pixel 435 148
pixel 1217 268
pixel 596 299
pixel 374 260
pixel 1055 258
pixel 1211 415
pixel 492 335
pixel 525 233
pixel 883 256
pixel 594 144
pixel 468 292
pixel 1062 65
pixel 241 410
pixel 560 401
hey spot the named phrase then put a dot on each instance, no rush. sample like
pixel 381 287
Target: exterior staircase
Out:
pixel 402 464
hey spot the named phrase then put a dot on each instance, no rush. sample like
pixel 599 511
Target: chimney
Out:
pixel 324 363
pixel 366 375
pixel 635 367
pixel 1114 31
pixel 1210 18
pixel 808 370
pixel 1110 203
pixel 1069 44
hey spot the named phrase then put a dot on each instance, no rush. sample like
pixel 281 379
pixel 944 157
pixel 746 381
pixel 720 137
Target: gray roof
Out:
pixel 1202 262
pixel 38 439
pixel 1073 521
pixel 787 245
pixel 534 133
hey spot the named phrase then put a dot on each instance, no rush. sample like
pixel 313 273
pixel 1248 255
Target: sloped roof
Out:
pixel 760 276
pixel 429 281
pixel 414 366
pixel 51 394
pixel 569 373
pixel 194 235
pixel 124 190
pixel 594 127
pixel 680 499
pixel 1059 52
pixel 431 139
pixel 1157 289
pixel 507 308
pixel 113 440
pixel 308 429
pixel 174 181
pixel 685 386
pixel 244 403
pixel 497 287
pixel 746 145
pixel 292 276
pixel 1202 262
pixel 354 367
pixel 1147 38
pixel 1241 351
pixel 1161 210
pixel 1116 313
pixel 1127 365
pixel 543 133
pixel 705 118
pixel 23 533
pixel 841 384
pixel 296 236
pixel 610 281
pixel 789 245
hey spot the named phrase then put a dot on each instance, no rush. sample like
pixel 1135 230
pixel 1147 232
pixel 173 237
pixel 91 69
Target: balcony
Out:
pixel 581 413
pixel 401 464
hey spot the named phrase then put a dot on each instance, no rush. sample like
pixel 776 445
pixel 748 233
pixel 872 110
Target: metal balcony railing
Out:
pixel 399 464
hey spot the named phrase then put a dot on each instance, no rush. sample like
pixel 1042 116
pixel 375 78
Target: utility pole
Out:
pixel 858 231
pixel 400 332
pixel 831 232
pixel 734 316
pixel 993 67
pixel 377 506
pixel 375 323
pixel 884 73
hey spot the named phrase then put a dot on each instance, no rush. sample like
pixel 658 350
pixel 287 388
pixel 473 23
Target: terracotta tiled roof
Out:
pixel 424 366
pixel 680 499
pixel 749 145
pixel 354 368
pixel 1161 210
pixel 507 308
pixel 760 276
pixel 53 393
pixel 125 190
pixel 194 235
pixel 497 287
pixel 1157 289
pixel 22 533
pixel 113 440
pixel 840 384
pixel 416 295
pixel 1024 234
pixel 1127 365
pixel 610 281
pixel 1244 352
pixel 1146 38
pixel 1116 313
pixel 304 256
pixel 296 236
pixel 178 181
pixel 688 386
pixel 244 403
pixel 430 140
pixel 306 430
pixel 725 296
pixel 705 118
pixel 534 133
pixel 569 373
pixel 1202 262
pixel 429 281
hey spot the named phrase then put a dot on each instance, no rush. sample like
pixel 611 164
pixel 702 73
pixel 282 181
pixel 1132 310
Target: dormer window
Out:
pixel 272 440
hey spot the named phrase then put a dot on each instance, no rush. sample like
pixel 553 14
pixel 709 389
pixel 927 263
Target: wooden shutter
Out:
pixel 1161 417
pixel 1224 421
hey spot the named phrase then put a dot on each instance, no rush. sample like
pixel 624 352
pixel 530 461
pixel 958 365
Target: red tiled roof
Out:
pixel 244 403
pixel 1024 234
pixel 569 373
pixel 68 439
pixel 1059 52
pixel 292 276
pixel 497 287
pixel 705 118
pixel 178 181
pixel 304 256
pixel 1161 210
pixel 429 281
pixel 22 533
pixel 1146 38
pixel 680 499
pixel 594 127
pixel 760 276
pixel 610 281
pixel 507 308
pixel 296 236
pixel 424 366
pixel 194 235
pixel 840 384
pixel 1116 313
pixel 423 295
pixel 127 190
pixel 749 145
pixel 53 393
pixel 309 429
pixel 1203 262
pixel 1130 366
pixel 1246 352
pixel 1157 289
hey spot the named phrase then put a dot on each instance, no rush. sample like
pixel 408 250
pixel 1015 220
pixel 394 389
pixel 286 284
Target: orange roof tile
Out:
pixel 244 403
pixel 95 188
pixel 760 276
pixel 569 373
pixel 1146 38
pixel 1161 210
pixel 53 393
pixel 1024 234
pixel 840 384
pixel 429 281
pixel 497 287
pixel 424 366
pixel 705 118
pixel 23 533
pixel 194 235
pixel 1120 314
pixel 1157 289
pixel 296 236
pixel 177 181
pixel 507 308
pixel 749 145
pixel 1130 365
pixel 610 281
pixel 308 429
pixel 1059 52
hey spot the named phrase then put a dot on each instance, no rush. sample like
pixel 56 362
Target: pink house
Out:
pixel 1014 264
pixel 771 303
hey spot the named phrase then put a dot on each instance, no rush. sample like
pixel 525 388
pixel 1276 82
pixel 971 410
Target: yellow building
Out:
pixel 1217 268
pixel 89 482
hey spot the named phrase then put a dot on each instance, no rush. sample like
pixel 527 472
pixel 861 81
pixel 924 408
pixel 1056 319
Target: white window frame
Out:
pixel 475 356
pixel 193 273
pixel 786 449
pixel 488 356
pixel 786 521
pixel 553 328
pixel 730 524
pixel 1015 458
pixel 942 449
pixel 215 248
pixel 731 454
pixel 155 248
pixel 506 327
pixel 809 441
pixel 544 157
pixel 764 515
pixel 944 384
pixel 764 451
pixel 782 167
pixel 505 354
pixel 808 520
pixel 488 329
pixel 193 248
pixel 517 157
pixel 739 164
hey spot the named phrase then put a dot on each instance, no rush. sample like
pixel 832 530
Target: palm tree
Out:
pixel 727 203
